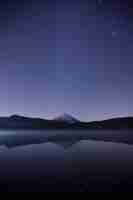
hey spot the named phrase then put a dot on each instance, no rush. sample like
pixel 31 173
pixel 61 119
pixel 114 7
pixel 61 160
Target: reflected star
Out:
pixel 100 2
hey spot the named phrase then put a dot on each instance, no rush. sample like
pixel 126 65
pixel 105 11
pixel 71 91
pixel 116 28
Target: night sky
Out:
pixel 72 56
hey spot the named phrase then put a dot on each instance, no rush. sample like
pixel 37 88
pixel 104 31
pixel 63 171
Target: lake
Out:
pixel 65 137
pixel 66 160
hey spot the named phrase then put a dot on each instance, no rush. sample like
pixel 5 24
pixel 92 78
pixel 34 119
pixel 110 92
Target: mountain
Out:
pixel 17 117
pixel 115 123
pixel 64 121
pixel 66 118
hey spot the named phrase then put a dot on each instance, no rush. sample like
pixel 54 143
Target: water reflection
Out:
pixel 67 138
pixel 65 165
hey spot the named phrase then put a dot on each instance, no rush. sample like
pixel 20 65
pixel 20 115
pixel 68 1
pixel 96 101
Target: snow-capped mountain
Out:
pixel 66 118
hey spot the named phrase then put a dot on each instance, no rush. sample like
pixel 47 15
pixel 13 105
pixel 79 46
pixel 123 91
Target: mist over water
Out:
pixel 78 165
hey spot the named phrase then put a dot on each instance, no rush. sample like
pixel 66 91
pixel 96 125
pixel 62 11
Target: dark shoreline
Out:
pixel 26 123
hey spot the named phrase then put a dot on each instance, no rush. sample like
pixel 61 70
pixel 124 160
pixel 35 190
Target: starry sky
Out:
pixel 69 56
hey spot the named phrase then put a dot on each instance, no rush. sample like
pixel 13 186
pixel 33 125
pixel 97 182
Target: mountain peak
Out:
pixel 66 118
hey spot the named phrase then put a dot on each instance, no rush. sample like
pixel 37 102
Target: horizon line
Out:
pixel 37 117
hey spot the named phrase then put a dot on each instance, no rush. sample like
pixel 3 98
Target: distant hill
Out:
pixel 64 121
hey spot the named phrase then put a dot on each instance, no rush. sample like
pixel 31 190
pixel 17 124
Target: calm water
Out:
pixel 64 137
pixel 66 160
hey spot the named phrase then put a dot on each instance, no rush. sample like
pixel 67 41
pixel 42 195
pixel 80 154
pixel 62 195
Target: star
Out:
pixel 114 34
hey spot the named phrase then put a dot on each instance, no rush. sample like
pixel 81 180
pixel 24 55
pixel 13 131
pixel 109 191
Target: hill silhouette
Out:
pixel 63 122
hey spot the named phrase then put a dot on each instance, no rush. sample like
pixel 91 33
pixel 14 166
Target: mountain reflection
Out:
pixel 60 164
